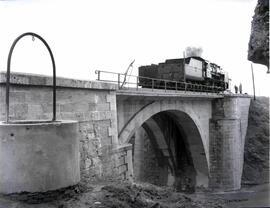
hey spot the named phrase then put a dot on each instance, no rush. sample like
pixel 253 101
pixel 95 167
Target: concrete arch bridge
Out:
pixel 185 140
pixel 166 137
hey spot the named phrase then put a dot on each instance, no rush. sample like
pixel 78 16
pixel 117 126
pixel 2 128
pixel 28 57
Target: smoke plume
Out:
pixel 193 51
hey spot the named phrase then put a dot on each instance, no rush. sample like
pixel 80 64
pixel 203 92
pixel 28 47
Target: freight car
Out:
pixel 200 74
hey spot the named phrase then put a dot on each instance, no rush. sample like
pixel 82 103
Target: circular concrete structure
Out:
pixel 37 156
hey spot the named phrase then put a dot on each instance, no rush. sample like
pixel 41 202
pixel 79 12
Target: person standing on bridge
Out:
pixel 236 89
pixel 240 88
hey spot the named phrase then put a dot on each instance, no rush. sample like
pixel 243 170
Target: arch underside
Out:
pixel 186 124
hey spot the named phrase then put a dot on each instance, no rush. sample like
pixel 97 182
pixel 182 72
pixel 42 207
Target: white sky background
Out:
pixel 86 35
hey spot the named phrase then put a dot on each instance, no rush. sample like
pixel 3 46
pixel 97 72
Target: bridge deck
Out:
pixel 144 92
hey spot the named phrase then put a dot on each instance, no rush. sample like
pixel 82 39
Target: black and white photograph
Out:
pixel 134 104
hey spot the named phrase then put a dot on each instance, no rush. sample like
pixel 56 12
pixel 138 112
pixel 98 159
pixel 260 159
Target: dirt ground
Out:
pixel 138 195
pixel 112 195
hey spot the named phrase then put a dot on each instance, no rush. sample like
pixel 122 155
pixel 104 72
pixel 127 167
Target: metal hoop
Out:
pixel 8 72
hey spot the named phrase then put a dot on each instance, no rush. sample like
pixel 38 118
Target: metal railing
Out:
pixel 34 35
pixel 140 82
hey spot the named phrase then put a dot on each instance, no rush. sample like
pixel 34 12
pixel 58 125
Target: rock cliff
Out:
pixel 258 50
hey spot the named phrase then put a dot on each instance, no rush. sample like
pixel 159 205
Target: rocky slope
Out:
pixel 112 195
pixel 256 158
pixel 258 51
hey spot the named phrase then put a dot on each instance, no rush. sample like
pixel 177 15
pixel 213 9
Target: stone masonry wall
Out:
pixel 225 154
pixel 93 104
pixel 124 165
pixel 150 165
pixel 227 138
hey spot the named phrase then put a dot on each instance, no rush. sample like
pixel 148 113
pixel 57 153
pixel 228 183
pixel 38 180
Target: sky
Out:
pixel 88 35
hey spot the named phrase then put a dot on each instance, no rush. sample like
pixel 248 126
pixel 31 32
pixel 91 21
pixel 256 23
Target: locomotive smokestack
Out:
pixel 193 51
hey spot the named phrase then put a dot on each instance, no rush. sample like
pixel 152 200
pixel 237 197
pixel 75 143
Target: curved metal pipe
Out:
pixel 8 72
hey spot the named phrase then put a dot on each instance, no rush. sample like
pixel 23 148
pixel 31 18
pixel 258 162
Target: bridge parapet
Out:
pixel 163 94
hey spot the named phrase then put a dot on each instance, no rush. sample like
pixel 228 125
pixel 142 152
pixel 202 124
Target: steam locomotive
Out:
pixel 198 74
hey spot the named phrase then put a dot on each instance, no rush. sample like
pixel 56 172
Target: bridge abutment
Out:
pixel 226 142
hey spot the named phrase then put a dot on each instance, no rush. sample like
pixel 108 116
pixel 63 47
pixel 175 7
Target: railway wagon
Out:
pixel 195 71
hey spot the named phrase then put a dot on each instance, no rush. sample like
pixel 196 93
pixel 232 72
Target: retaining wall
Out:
pixel 93 104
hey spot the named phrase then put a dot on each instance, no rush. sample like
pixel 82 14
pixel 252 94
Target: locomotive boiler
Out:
pixel 192 73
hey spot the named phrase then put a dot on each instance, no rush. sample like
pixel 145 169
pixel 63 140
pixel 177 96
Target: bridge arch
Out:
pixel 186 120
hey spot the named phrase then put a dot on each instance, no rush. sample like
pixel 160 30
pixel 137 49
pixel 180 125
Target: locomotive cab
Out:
pixel 194 68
